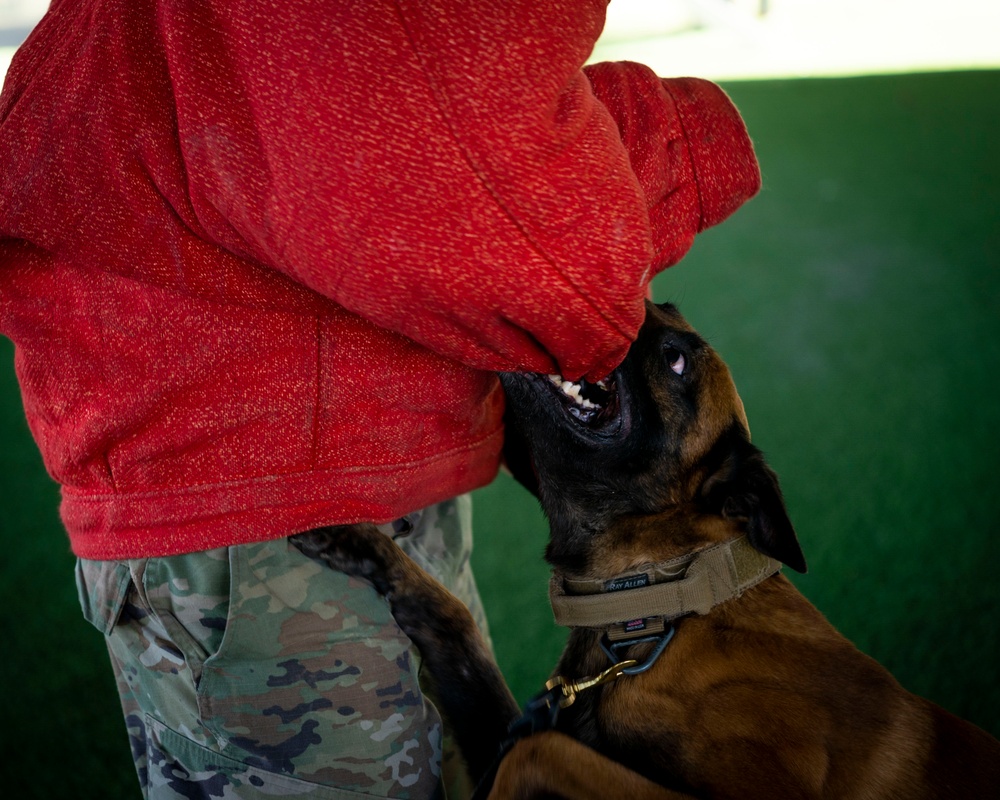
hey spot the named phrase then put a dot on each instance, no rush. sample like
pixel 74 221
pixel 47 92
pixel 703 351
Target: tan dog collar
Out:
pixel 691 584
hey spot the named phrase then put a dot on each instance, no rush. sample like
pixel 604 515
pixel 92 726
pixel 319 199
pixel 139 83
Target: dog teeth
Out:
pixel 574 391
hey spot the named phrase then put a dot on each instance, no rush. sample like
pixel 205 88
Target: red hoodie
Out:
pixel 260 261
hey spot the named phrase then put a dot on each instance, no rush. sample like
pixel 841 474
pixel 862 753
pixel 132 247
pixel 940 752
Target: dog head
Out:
pixel 651 463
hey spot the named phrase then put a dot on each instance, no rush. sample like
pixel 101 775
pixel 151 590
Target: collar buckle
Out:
pixel 662 638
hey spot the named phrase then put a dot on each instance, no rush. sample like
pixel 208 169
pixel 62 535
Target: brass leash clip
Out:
pixel 570 689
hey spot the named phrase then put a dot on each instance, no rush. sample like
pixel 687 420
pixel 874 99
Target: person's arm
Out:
pixel 444 170
pixel 687 146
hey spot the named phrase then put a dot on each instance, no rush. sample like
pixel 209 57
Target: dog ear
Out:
pixel 745 489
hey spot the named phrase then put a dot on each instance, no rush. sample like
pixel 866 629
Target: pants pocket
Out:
pixel 180 768
pixel 314 678
pixel 155 659
pixel 189 595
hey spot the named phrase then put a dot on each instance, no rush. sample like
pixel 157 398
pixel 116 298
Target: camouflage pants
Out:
pixel 254 672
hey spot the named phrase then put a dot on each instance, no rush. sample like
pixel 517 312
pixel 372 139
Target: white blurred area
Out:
pixel 17 18
pixel 736 39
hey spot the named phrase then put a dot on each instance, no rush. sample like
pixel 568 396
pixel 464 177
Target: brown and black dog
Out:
pixel 711 675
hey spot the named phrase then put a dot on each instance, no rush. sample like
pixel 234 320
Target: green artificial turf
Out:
pixel 857 303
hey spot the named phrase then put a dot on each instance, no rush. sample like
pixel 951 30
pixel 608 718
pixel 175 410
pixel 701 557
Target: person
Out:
pixel 261 262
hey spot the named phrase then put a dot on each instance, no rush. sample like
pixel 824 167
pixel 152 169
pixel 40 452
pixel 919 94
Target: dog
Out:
pixel 693 668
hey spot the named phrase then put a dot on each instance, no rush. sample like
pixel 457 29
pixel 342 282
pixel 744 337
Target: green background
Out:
pixel 857 303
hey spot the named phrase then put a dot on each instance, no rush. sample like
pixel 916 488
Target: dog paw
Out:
pixel 361 551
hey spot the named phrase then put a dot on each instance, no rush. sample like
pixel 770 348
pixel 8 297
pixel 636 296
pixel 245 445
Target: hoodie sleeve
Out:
pixel 687 146
pixel 446 169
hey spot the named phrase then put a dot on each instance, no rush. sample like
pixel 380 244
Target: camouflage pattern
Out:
pixel 252 671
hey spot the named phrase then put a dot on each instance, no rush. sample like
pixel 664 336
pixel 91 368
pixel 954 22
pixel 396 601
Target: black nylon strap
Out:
pixel 540 714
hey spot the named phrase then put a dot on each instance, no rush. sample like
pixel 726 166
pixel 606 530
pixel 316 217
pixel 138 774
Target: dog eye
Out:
pixel 675 358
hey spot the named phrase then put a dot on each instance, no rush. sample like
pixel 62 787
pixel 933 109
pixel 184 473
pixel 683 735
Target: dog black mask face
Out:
pixel 665 431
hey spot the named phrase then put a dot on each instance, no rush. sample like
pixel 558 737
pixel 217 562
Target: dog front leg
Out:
pixel 552 765
pixel 468 684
